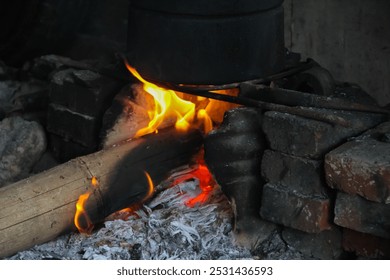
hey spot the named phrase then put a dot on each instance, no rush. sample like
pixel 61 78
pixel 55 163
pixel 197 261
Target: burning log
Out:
pixel 42 207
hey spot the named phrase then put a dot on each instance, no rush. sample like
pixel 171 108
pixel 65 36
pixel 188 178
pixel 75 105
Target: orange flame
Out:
pixel 206 182
pixel 150 185
pixel 167 105
pixel 81 218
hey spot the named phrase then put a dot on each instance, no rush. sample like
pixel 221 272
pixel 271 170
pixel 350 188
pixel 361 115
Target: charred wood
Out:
pixel 40 208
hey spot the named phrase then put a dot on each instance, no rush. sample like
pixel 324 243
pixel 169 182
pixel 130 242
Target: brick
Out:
pixel 325 245
pixel 360 167
pixel 73 126
pixel 310 138
pixel 365 245
pixel 306 213
pixel 359 214
pixel 301 175
pixel 83 91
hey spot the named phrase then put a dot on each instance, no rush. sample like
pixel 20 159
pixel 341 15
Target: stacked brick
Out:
pixel 360 172
pixel 296 194
pixel 78 100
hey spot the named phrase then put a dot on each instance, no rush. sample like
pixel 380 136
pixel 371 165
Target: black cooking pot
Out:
pixel 206 42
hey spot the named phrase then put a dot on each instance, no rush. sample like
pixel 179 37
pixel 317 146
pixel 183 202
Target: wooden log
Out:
pixel 42 207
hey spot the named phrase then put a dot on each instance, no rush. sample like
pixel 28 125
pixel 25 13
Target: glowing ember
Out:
pixel 81 218
pixel 195 111
pixel 205 183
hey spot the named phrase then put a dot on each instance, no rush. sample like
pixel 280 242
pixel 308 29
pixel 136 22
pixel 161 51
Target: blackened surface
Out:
pixel 233 153
pixel 207 7
pixel 158 155
pixel 189 49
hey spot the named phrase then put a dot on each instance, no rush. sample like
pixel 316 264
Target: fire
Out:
pixel 168 104
pixel 206 183
pixel 150 185
pixel 81 218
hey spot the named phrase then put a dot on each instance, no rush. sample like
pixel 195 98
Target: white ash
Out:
pixel 165 229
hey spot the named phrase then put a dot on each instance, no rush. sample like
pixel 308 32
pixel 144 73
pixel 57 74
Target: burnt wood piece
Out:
pixel 127 114
pixel 42 207
pixel 233 154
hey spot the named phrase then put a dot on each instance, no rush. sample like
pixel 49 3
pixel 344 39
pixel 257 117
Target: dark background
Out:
pixel 351 38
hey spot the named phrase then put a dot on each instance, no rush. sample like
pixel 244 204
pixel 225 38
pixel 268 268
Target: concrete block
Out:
pixel 300 175
pixel 359 214
pixel 310 138
pixel 325 245
pixel 306 213
pixel 361 167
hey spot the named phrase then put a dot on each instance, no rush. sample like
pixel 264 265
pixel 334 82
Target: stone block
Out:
pixel 306 213
pixel 325 245
pixel 300 175
pixel 72 126
pixel 365 245
pixel 22 144
pixel 361 167
pixel 83 91
pixel 310 138
pixel 359 214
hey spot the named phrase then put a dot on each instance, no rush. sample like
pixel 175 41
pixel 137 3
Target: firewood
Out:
pixel 127 114
pixel 42 207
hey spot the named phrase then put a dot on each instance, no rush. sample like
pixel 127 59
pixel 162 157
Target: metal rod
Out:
pixel 200 88
pixel 298 111
pixel 297 98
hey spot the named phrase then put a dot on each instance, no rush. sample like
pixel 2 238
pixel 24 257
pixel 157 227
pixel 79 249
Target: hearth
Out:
pixel 264 156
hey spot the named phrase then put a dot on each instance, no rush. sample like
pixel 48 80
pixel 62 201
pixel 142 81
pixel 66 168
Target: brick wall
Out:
pixel 329 186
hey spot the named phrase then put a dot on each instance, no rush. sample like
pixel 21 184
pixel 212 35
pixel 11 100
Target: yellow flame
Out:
pixel 81 212
pixel 167 105
pixel 205 118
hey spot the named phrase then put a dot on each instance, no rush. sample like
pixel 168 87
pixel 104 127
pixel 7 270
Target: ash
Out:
pixel 165 228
